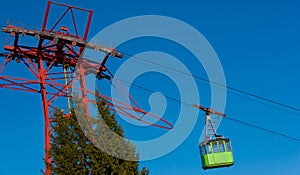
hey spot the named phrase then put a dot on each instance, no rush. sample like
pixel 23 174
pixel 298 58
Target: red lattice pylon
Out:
pixel 52 61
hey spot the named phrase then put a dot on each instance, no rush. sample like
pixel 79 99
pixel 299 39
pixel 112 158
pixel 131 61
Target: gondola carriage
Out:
pixel 216 153
pixel 215 150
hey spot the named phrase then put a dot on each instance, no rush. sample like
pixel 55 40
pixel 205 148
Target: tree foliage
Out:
pixel 73 153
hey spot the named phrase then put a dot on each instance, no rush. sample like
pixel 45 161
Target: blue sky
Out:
pixel 258 46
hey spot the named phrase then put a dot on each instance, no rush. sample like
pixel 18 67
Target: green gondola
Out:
pixel 215 150
pixel 216 153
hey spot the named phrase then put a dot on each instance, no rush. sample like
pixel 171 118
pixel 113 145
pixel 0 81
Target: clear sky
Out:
pixel 258 45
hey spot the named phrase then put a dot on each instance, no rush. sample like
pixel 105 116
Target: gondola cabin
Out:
pixel 216 153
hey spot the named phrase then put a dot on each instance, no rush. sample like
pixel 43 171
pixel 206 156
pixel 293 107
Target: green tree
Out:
pixel 73 153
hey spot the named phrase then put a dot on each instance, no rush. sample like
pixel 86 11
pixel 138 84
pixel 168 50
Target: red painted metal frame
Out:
pixel 49 84
pixel 43 62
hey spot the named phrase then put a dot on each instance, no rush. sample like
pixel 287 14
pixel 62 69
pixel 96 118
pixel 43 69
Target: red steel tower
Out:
pixel 52 61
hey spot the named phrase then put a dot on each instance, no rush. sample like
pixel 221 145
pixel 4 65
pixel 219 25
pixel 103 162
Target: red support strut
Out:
pixel 46 114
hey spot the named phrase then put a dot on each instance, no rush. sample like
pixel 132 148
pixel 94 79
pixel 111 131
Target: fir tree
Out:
pixel 72 153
